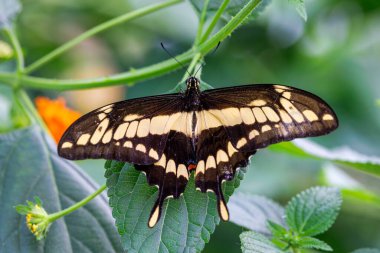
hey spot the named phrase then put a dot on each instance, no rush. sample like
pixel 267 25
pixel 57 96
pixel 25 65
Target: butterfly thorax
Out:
pixel 192 94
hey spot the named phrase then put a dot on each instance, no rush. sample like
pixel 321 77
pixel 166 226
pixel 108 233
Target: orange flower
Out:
pixel 56 115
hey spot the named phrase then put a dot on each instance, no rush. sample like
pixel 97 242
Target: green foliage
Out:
pixel 366 250
pixel 300 8
pixel 277 230
pixel 186 224
pixel 344 156
pixel 309 213
pixel 313 243
pixel 313 211
pixel 8 11
pixel 253 242
pixel 354 189
pixel 24 209
pixel 252 212
pixel 31 167
pixel 232 8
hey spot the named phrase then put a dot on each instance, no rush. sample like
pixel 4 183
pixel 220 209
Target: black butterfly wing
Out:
pixel 235 122
pixel 255 116
pixel 133 130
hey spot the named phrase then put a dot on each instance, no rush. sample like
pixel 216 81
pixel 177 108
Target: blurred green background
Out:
pixel 335 54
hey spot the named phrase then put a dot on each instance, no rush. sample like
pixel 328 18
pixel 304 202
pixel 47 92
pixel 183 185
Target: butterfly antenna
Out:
pixel 216 48
pixel 212 53
pixel 167 51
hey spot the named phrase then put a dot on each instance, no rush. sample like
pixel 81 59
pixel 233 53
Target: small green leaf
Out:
pixel 313 243
pixel 186 223
pixel 253 242
pixel 252 212
pixel 277 230
pixel 232 9
pixel 366 250
pixel 300 8
pixel 342 156
pixel 8 11
pixel 22 209
pixel 313 211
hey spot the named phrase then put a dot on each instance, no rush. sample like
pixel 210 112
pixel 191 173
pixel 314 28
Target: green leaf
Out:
pixel 232 9
pixel 8 11
pixel 366 250
pixel 343 156
pixel 22 209
pixel 313 243
pixel 313 211
pixel 253 242
pixel 352 188
pixel 252 212
pixel 30 166
pixel 277 230
pixel 300 8
pixel 186 223
pixel 362 195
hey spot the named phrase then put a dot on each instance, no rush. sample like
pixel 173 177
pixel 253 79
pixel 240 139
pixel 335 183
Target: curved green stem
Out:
pixel 54 216
pixel 139 74
pixel 215 20
pixel 226 30
pixel 17 48
pixel 118 79
pixel 19 94
pixel 191 67
pixel 201 23
pixel 97 29
pixel 33 115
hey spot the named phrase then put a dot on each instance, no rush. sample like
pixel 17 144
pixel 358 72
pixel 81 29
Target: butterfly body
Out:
pixel 212 133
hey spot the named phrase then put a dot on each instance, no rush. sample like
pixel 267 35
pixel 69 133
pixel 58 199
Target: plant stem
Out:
pixel 197 56
pixel 16 46
pixel 191 67
pixel 226 30
pixel 139 74
pixel 215 20
pixel 97 29
pixel 54 216
pixel 33 115
pixel 201 23
pixel 19 93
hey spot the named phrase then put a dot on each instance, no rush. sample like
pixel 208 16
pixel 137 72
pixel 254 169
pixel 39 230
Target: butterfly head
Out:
pixel 192 84
pixel 192 92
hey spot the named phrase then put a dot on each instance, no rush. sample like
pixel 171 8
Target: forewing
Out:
pixel 133 130
pixel 255 116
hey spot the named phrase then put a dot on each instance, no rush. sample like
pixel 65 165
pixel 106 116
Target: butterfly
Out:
pixel 211 133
